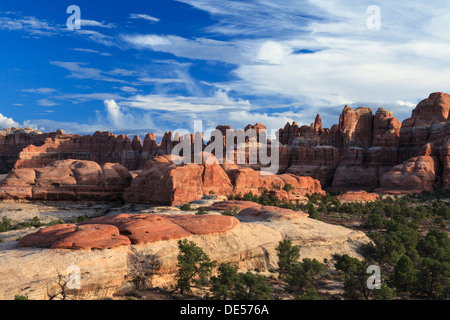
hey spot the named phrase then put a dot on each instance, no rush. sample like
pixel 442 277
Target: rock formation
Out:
pixel 356 154
pixel 102 147
pixel 412 176
pixel 360 151
pixel 14 140
pixel 165 183
pixel 124 229
pixel 357 196
pixel 67 180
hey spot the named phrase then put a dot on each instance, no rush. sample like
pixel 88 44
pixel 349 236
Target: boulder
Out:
pixel 70 236
pixel 125 229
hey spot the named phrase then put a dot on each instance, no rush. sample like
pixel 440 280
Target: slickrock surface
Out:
pixel 271 213
pixel 103 232
pixel 232 205
pixel 34 271
pixel 70 236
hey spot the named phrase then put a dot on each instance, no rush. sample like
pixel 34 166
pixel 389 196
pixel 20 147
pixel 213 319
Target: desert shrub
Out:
pixel 201 211
pixel 231 212
pixel 404 276
pixel 186 207
pixel 288 187
pixel 433 279
pixel 5 224
pixel 309 294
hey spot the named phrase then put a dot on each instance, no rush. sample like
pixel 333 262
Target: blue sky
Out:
pixel 152 66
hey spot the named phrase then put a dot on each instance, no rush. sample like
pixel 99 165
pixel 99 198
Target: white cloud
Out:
pixel 47 103
pixel 78 71
pixel 30 25
pixel 121 119
pixel 128 89
pixel 93 23
pixel 40 90
pixel 92 51
pixel 346 63
pixel 406 103
pixel 273 53
pixel 160 80
pixel 97 37
pixel 220 101
pixel 199 48
pixel 7 122
pixel 144 16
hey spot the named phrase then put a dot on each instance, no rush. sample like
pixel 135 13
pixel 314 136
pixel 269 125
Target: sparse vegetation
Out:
pixel 201 211
pixel 288 256
pixel 186 207
pixel 231 212
pixel 80 219
pixel 288 187
pixel 194 266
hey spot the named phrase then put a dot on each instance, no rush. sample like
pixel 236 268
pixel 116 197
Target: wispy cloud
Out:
pixel 79 71
pixel 40 90
pixel 93 23
pixel 92 51
pixel 29 25
pixel 346 63
pixel 199 48
pixel 47 103
pixel 35 27
pixel 144 17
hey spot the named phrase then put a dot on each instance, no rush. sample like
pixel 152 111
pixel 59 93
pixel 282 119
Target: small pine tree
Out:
pixel 252 287
pixel 384 293
pixel 194 266
pixel 287 256
pixel 355 277
pixel 404 275
pixel 303 274
pixel 225 282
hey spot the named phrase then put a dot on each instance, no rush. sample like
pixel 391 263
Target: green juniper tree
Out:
pixel 303 274
pixel 252 287
pixel 224 283
pixel 355 277
pixel 194 266
pixel 288 255
pixel 404 275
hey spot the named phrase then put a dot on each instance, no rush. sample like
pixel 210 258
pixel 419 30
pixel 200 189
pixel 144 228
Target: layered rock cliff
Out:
pixel 358 153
